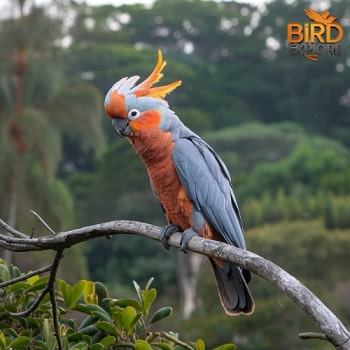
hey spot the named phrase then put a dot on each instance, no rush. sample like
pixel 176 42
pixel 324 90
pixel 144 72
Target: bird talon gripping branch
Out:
pixel 166 232
pixel 189 179
pixel 186 236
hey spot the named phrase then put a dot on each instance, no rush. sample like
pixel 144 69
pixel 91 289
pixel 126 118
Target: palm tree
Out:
pixel 37 111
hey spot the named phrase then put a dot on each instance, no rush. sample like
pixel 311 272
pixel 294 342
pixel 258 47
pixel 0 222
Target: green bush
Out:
pixel 104 322
pixel 333 210
pixel 337 210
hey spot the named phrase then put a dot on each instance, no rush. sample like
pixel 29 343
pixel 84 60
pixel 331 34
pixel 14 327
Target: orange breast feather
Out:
pixel 155 149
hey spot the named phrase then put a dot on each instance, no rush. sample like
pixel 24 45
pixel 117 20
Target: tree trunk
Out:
pixel 188 267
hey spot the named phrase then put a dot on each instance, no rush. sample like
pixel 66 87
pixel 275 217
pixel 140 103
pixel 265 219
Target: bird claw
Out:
pixel 165 234
pixel 168 230
pixel 186 236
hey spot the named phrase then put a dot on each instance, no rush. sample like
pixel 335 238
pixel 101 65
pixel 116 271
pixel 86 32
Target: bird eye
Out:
pixel 133 113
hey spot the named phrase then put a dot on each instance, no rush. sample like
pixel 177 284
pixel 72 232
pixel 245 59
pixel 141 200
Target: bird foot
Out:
pixel 186 236
pixel 166 232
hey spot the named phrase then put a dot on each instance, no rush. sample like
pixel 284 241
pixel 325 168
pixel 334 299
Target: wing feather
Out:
pixel 208 185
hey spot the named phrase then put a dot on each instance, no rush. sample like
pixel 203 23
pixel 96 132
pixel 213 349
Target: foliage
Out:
pixel 310 182
pixel 270 208
pixel 105 322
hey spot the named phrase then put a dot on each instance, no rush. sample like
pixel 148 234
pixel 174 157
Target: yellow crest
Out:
pixel 146 89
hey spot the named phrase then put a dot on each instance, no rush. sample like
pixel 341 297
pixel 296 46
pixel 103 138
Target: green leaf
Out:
pixel 106 327
pixel 98 311
pixel 118 319
pixel 161 313
pixel 135 320
pixel 39 284
pixel 2 341
pixel 78 346
pixel 9 332
pixel 163 346
pixel 101 290
pixel 226 347
pixel 15 271
pixel 200 344
pixel 33 323
pixel 97 346
pixel 129 315
pixel 150 281
pixel 18 285
pixel 128 302
pixel 148 299
pixel 19 341
pixel 90 297
pixel 75 337
pixel 33 279
pixel 4 315
pixel 138 290
pixel 93 310
pixel 4 273
pixel 46 329
pixel 77 291
pixel 82 308
pixel 109 340
pixel 102 315
pixel 87 321
pixel 142 345
pixel 67 292
pixel 89 330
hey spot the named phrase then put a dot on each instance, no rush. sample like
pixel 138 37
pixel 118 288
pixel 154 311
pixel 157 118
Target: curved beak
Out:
pixel 121 126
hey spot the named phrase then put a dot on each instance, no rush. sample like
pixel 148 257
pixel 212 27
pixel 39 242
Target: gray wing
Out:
pixel 208 185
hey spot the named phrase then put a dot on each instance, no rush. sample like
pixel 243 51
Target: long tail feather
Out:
pixel 233 290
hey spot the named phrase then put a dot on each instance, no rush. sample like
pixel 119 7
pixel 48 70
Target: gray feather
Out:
pixel 208 185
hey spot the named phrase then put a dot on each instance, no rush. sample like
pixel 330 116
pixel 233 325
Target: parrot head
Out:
pixel 136 108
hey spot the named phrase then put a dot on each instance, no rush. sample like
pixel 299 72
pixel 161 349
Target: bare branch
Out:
pixel 43 222
pixel 51 291
pixel 32 307
pixel 25 276
pixel 11 230
pixel 312 335
pixel 176 341
pixel 332 327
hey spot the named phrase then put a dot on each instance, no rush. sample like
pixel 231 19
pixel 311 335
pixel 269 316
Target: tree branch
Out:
pixel 334 331
pixel 25 276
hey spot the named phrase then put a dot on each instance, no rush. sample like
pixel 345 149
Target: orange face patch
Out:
pixel 116 106
pixel 147 120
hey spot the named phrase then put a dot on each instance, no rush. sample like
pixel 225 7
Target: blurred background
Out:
pixel 281 123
